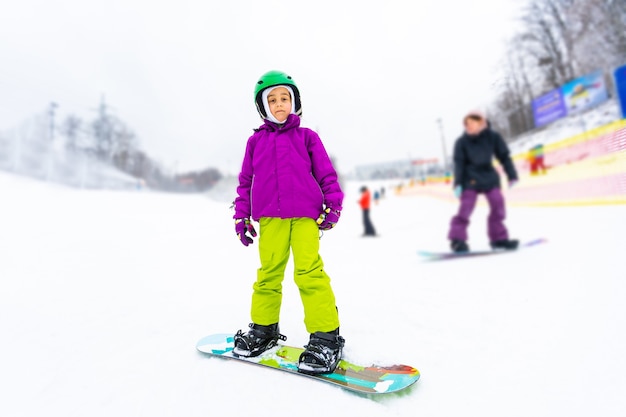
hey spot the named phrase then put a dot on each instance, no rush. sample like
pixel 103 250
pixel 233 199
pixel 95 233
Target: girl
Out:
pixel 475 174
pixel 289 185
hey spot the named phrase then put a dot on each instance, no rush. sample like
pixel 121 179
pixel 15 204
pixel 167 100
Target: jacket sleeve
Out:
pixel 324 173
pixel 243 207
pixel 458 157
pixel 504 157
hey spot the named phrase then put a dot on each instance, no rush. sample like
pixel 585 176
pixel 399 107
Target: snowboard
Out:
pixel 372 379
pixel 441 256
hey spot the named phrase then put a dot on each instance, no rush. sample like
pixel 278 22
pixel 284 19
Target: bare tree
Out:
pixel 545 41
pixel 124 141
pixel 509 113
pixel 606 43
pixel 560 41
pixel 71 129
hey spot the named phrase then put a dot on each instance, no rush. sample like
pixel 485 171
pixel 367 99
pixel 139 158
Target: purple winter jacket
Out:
pixel 286 173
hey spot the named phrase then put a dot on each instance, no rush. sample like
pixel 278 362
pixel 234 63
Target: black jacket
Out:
pixel 473 160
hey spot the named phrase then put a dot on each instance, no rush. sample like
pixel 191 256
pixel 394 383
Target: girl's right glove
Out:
pixel 458 190
pixel 243 226
pixel 328 219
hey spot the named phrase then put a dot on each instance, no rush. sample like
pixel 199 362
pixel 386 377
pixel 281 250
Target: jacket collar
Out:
pixel 481 134
pixel 293 121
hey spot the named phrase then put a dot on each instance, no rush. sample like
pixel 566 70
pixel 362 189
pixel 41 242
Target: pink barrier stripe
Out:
pixel 602 145
pixel 613 185
pixel 619 141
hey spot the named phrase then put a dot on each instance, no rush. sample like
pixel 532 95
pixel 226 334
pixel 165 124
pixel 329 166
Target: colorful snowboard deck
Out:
pixel 373 379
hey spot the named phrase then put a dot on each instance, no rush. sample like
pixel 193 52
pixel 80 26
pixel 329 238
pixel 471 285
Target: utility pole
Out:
pixel 102 135
pixel 51 145
pixel 51 111
pixel 102 130
pixel 443 144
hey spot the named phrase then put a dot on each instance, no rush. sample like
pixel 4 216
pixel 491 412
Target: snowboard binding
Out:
pixel 256 340
pixel 322 354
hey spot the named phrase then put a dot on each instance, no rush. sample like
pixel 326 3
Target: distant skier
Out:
pixel 475 174
pixel 365 203
pixel 289 185
pixel 536 160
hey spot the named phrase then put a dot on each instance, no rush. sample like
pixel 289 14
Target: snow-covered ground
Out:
pixel 103 296
pixel 568 127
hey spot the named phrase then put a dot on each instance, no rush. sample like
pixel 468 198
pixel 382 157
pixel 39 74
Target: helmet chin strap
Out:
pixel 266 105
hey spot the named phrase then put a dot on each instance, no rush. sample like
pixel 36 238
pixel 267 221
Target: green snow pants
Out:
pixel 276 238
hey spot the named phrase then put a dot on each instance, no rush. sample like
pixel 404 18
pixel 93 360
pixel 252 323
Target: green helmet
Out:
pixel 271 79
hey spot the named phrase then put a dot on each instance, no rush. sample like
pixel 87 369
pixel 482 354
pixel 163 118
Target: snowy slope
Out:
pixel 569 126
pixel 103 296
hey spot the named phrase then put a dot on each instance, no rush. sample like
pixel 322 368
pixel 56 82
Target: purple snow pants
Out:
pixel 495 222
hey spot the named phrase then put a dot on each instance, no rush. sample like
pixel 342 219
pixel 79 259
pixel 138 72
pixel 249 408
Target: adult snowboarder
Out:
pixel 475 174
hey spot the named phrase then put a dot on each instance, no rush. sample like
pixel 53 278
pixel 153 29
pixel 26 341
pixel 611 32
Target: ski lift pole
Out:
pixel 443 145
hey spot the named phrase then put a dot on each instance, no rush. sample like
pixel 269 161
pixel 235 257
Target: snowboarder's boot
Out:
pixel 322 354
pixel 459 246
pixel 256 340
pixel 505 244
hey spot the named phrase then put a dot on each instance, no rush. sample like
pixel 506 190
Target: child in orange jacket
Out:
pixel 365 203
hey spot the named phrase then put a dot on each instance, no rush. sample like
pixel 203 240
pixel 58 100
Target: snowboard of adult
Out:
pixel 371 379
pixel 442 256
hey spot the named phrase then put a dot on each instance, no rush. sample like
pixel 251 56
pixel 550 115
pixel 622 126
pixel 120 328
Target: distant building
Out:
pixel 406 168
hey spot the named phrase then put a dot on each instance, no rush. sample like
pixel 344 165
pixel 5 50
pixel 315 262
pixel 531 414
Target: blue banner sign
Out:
pixel 548 108
pixel 620 87
pixel 585 92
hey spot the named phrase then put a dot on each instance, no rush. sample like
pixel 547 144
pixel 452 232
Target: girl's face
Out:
pixel 473 126
pixel 279 101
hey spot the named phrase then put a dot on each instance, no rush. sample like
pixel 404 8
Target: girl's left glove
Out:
pixel 328 219
pixel 243 226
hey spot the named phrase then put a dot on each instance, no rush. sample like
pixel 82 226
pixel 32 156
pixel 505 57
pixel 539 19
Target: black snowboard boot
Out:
pixel 322 354
pixel 459 246
pixel 505 244
pixel 256 340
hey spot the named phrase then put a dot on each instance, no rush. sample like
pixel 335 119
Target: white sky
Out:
pixel 374 76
